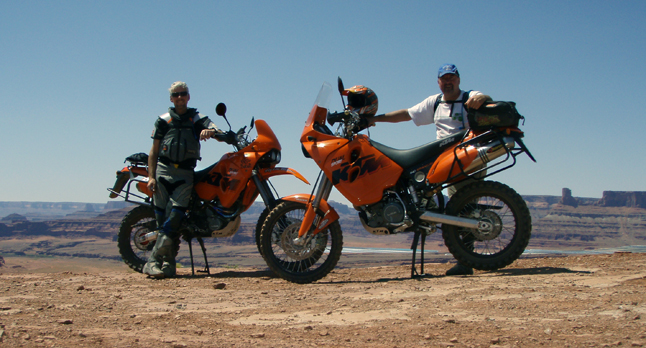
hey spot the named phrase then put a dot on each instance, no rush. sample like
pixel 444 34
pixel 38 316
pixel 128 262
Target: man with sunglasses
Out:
pixel 449 118
pixel 172 158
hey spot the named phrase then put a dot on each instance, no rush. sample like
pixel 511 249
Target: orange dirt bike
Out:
pixel 221 193
pixel 485 225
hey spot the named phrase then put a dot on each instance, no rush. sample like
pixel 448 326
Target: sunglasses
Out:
pixel 179 94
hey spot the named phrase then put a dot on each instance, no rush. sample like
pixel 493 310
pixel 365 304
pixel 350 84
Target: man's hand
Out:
pixel 476 101
pixel 152 184
pixel 206 134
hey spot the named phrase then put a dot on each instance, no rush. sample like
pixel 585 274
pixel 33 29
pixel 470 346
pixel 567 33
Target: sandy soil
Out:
pixel 578 301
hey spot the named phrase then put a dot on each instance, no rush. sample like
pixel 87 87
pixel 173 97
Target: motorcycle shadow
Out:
pixel 500 272
pixel 229 274
pixel 535 271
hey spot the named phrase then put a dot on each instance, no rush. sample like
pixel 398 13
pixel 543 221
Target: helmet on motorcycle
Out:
pixel 362 100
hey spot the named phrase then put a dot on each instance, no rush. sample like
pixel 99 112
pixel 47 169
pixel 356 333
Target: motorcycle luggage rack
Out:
pixel 133 178
pixel 510 153
pixel 143 200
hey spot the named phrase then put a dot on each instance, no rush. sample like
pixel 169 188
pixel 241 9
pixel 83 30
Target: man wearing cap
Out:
pixel 449 118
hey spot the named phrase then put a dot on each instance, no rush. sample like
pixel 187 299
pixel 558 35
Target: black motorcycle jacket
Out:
pixel 179 134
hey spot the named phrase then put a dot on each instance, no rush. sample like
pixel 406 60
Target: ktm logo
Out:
pixel 223 182
pixel 366 165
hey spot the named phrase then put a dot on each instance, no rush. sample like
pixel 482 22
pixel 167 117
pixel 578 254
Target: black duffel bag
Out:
pixel 494 114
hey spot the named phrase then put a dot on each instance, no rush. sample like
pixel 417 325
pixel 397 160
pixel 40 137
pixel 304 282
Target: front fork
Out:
pixel 311 221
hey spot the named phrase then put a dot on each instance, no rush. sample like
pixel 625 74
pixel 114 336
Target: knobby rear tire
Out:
pixel 317 258
pixel 495 202
pixel 137 222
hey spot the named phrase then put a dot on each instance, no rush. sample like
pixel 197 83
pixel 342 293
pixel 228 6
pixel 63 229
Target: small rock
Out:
pixel 454 340
pixel 548 331
pixel 324 333
pixel 65 321
pixel 495 340
pixel 450 321
pixel 219 286
pixel 308 327
pixel 80 287
pixel 258 335
pixel 636 344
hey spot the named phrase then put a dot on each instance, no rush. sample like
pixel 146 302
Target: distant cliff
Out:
pixel 618 218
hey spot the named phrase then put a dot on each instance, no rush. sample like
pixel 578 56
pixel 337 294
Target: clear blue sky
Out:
pixel 82 82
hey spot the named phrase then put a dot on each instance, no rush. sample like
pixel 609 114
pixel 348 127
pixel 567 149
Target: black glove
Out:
pixel 230 138
pixel 363 124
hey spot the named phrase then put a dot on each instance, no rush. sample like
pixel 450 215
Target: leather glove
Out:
pixel 230 138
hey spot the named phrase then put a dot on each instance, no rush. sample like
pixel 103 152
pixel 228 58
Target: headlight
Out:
pixel 305 153
pixel 270 158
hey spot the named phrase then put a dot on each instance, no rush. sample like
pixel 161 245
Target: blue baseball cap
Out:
pixel 448 69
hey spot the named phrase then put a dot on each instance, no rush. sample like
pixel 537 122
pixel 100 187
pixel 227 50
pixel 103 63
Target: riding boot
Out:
pixel 460 269
pixel 163 250
pixel 169 268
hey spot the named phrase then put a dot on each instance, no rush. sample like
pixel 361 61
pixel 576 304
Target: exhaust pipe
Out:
pixel 489 152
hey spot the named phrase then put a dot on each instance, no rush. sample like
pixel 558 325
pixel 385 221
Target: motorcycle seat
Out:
pixel 425 153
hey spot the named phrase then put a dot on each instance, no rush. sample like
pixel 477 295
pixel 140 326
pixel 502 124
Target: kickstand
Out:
pixel 416 240
pixel 190 250
pixel 206 262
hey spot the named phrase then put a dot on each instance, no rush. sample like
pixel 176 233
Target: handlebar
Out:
pixel 228 137
pixel 338 117
pixel 354 122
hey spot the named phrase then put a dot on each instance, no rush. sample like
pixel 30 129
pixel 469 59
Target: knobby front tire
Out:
pixel 488 248
pixel 294 263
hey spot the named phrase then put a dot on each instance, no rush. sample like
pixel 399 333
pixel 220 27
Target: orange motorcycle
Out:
pixel 221 193
pixel 485 225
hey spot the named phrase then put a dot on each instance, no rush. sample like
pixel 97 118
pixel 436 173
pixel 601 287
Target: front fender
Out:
pixel 266 173
pixel 329 213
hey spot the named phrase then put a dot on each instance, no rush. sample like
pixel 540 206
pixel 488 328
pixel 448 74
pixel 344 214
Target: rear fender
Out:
pixel 329 213
pixel 266 173
pixel 122 178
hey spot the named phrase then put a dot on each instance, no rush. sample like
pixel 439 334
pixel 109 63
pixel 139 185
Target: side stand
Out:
pixel 416 240
pixel 206 262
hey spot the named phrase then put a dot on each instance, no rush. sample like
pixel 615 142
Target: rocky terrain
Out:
pixel 577 301
pixel 62 284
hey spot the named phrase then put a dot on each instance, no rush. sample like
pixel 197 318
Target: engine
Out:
pixel 208 222
pixel 386 217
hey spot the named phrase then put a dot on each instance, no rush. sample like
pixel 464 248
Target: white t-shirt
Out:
pixel 446 122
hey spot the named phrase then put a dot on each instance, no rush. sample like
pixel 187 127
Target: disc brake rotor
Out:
pixel 296 252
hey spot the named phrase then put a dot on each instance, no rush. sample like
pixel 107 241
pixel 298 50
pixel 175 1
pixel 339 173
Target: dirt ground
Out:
pixel 576 301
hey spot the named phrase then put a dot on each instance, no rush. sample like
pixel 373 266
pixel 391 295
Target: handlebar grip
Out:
pixel 227 137
pixel 336 117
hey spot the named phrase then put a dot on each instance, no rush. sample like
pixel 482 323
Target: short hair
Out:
pixel 178 84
